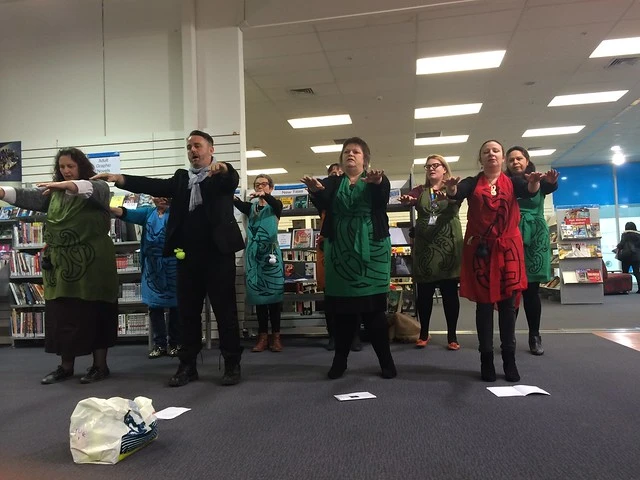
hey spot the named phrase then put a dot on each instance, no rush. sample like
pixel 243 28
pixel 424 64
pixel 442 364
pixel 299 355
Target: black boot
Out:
pixel 338 366
pixel 232 372
pixel 487 370
pixel 509 363
pixel 380 344
pixel 535 345
pixel 186 373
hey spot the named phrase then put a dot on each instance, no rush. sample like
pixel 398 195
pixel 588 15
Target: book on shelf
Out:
pixel 580 222
pixel 582 275
pixel 394 196
pixel 578 250
pixel 299 271
pixel 11 212
pixel 284 240
pixel 287 202
pixel 116 201
pixel 301 201
pixel 302 238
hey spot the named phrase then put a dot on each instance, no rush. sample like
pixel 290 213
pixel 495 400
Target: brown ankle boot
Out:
pixel 263 343
pixel 276 345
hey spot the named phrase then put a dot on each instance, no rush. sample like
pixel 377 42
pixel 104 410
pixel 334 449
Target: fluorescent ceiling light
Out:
pixel 326 121
pixel 543 132
pixel 447 111
pixel 267 171
pixel 441 140
pixel 423 161
pixel 459 63
pixel 618 46
pixel 542 152
pixel 586 98
pixel 255 153
pixel 326 148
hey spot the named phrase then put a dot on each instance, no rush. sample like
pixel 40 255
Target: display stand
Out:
pixel 580 255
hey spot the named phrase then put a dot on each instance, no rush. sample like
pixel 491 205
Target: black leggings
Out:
pixel 375 323
pixel 450 304
pixel 266 313
pixel 506 322
pixel 635 266
pixel 532 307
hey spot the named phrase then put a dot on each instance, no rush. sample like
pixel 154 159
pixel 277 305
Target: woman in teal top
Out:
pixel 78 264
pixel 357 252
pixel 263 261
pixel 535 236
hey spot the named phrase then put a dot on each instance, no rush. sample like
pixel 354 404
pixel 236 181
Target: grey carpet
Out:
pixel 436 420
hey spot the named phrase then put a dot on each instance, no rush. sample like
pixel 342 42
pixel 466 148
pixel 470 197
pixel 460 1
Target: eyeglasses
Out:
pixel 432 166
pixel 261 184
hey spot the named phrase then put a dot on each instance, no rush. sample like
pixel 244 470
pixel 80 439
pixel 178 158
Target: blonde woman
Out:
pixel 437 249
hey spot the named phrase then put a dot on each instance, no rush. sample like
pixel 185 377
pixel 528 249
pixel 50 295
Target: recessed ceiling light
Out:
pixel 447 110
pixel 255 154
pixel 459 63
pixel 422 161
pixel 615 47
pixel 586 98
pixel 267 171
pixel 618 158
pixel 543 132
pixel 326 121
pixel 326 148
pixel 543 152
pixel 441 140
pixel 616 148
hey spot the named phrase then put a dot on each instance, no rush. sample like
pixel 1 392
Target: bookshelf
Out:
pixel 21 244
pixel 579 255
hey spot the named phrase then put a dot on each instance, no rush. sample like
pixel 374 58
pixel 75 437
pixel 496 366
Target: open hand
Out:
pixel 109 177
pixel 257 194
pixel 408 200
pixel 533 177
pixel 551 176
pixel 374 176
pixel 313 184
pixel 49 187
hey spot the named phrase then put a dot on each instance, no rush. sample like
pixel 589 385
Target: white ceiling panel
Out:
pixel 263 48
pixel 468 26
pixel 286 64
pixel 295 79
pixel 577 13
pixel 370 36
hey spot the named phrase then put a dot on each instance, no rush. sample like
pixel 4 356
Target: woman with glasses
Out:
pixel 437 249
pixel 263 261
pixel 493 270
pixel 357 251
pixel 535 236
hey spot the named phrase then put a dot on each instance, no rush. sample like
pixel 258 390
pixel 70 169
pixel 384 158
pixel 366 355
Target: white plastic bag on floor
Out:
pixel 107 431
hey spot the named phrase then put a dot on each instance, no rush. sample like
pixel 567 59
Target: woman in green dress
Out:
pixel 437 249
pixel 78 264
pixel 357 252
pixel 535 236
pixel 263 259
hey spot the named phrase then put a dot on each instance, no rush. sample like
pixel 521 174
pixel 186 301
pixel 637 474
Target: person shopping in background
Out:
pixel 158 274
pixel 263 261
pixel 437 249
pixel 535 237
pixel 628 251
pixel 332 170
pixel 78 264
pixel 357 251
pixel 202 229
pixel 493 269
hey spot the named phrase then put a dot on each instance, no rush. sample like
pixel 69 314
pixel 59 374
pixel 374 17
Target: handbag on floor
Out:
pixel 107 431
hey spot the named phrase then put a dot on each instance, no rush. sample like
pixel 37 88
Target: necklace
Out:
pixel 494 191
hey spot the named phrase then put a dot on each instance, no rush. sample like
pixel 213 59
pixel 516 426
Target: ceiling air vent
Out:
pixel 625 61
pixel 301 92
pixel 428 134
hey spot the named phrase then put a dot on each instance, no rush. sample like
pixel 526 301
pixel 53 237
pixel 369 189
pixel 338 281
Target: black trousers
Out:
pixel 375 324
pixel 213 274
pixel 450 304
pixel 532 307
pixel 266 313
pixel 635 266
pixel 506 323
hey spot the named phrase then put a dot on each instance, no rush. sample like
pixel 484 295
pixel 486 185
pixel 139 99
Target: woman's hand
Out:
pixel 440 194
pixel 257 194
pixel 313 184
pixel 408 200
pixel 451 184
pixel 533 177
pixel 116 178
pixel 374 176
pixel 551 176
pixel 57 186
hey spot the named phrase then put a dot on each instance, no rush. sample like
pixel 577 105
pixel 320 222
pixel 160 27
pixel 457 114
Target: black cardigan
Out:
pixel 217 200
pixel 323 200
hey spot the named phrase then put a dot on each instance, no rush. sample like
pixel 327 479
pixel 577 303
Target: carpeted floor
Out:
pixel 436 420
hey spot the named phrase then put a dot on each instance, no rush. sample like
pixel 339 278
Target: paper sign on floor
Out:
pixel 354 396
pixel 170 412
pixel 516 391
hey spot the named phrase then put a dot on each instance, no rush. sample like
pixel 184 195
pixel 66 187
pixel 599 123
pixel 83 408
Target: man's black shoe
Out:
pixel 95 374
pixel 186 373
pixel 56 376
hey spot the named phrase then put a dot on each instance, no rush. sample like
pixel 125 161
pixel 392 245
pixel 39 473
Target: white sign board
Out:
pixel 105 162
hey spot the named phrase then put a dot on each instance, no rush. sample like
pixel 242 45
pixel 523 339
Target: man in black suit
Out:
pixel 201 224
